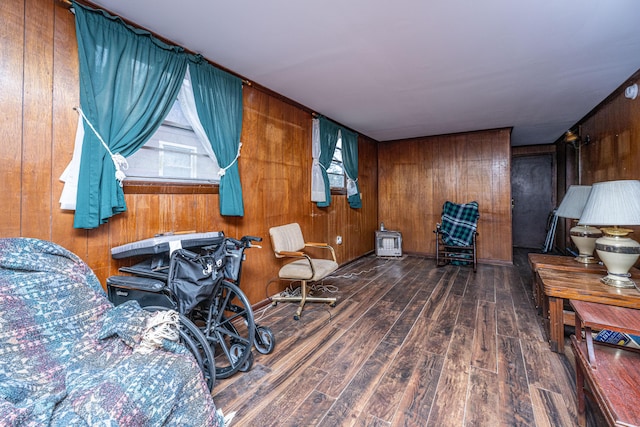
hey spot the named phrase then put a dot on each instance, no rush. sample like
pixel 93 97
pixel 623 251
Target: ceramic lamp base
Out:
pixel 618 253
pixel 586 259
pixel 584 237
pixel 618 282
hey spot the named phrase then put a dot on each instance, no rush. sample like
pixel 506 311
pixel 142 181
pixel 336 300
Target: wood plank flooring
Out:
pixel 408 344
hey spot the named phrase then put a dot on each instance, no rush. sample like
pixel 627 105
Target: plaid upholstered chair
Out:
pixel 456 234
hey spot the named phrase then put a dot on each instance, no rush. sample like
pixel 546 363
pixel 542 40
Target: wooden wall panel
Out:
pixel 99 244
pixel 359 224
pixel 614 131
pixel 497 225
pixel 37 118
pixel 11 69
pixel 274 161
pixel 64 122
pixel 406 175
pixel 39 68
pixel 417 176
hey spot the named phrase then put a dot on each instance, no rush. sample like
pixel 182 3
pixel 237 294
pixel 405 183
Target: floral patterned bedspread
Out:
pixel 67 355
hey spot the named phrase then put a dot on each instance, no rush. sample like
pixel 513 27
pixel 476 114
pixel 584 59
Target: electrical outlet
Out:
pixel 339 240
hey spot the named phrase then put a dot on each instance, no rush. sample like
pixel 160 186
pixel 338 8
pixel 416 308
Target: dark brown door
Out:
pixel 533 201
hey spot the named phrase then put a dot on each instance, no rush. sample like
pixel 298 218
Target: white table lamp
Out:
pixel 615 203
pixel 583 236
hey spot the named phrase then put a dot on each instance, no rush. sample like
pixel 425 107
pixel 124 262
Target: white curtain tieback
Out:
pixel 316 162
pixel 352 187
pixel 118 159
pixel 223 170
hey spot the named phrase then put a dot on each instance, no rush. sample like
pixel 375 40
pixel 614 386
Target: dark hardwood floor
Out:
pixel 408 344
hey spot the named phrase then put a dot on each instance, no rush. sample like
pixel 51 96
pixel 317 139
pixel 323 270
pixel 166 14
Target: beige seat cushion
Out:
pixel 300 269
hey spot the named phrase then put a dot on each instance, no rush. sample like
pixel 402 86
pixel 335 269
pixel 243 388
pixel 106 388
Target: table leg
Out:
pixel 536 290
pixel 582 421
pixel 578 327
pixel 556 324
pixel 590 352
pixel 545 315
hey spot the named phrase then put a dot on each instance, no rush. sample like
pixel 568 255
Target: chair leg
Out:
pixel 439 262
pixel 475 256
pixel 303 299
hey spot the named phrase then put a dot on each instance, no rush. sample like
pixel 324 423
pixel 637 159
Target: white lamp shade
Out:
pixel 613 203
pixel 573 202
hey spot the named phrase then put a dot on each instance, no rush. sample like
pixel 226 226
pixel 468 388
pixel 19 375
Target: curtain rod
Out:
pixel 68 4
pixel 245 81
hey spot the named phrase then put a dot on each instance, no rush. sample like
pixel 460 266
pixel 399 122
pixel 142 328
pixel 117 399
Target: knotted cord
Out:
pixel 118 159
pixel 223 171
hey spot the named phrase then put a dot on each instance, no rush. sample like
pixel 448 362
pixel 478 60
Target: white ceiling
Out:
pixel 409 68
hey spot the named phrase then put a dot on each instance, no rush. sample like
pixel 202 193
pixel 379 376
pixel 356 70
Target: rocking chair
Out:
pixel 456 235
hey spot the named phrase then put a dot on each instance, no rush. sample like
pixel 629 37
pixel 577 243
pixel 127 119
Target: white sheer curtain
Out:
pixel 317 183
pixel 188 105
pixel 71 172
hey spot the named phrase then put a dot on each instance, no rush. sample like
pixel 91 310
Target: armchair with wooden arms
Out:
pixel 456 234
pixel 288 242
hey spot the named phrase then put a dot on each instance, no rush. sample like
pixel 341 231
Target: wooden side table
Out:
pixel 557 262
pixel 559 286
pixel 611 372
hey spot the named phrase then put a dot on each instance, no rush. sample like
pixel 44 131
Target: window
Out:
pixel 335 172
pixel 178 160
pixel 174 154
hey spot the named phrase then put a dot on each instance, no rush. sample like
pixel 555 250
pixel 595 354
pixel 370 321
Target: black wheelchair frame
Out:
pixel 203 285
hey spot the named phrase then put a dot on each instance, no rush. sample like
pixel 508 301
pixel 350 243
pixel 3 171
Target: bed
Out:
pixel 68 357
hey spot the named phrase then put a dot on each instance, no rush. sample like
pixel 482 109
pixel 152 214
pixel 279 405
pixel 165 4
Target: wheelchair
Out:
pixel 198 275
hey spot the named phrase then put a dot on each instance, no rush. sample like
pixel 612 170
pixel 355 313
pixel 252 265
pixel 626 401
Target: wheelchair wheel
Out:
pixel 231 329
pixel 249 362
pixel 195 341
pixel 265 340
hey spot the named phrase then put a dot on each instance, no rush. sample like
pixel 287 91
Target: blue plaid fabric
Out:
pixel 459 222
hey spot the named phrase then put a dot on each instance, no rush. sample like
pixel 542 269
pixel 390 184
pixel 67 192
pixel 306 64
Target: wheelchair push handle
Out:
pixel 252 238
pixel 246 241
pixel 249 241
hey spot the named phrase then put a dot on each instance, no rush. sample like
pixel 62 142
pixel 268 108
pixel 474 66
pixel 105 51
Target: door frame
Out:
pixel 538 150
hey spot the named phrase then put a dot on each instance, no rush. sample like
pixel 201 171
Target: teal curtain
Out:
pixel 128 83
pixel 218 97
pixel 328 141
pixel 350 162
